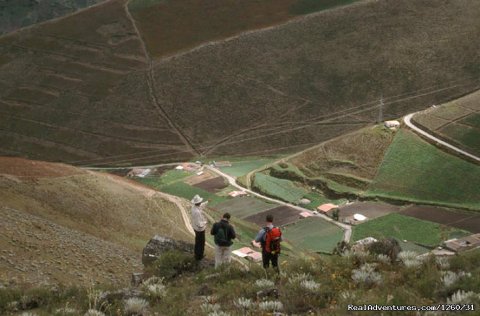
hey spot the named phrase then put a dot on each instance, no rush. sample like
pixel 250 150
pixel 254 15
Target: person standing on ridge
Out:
pixel 269 239
pixel 199 224
pixel 223 234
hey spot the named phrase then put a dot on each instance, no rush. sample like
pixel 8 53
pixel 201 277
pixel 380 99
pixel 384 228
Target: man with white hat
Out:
pixel 199 224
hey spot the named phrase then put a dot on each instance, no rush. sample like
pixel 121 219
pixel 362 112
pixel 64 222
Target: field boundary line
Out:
pixel 407 119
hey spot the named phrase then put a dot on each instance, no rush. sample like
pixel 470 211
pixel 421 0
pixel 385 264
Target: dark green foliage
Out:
pixel 388 247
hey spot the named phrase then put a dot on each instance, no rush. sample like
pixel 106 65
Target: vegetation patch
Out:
pixel 406 228
pixel 314 234
pixel 426 176
pixel 242 167
pixel 278 188
pixel 244 206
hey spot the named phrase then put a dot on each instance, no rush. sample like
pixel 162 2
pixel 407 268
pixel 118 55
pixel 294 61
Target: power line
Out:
pixel 310 124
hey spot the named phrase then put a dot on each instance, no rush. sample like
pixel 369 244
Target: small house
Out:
pixel 327 209
pixel 463 244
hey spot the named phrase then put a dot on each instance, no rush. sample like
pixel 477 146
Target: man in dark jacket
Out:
pixel 224 233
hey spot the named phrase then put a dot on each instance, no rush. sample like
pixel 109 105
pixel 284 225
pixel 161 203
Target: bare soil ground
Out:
pixel 455 218
pixel 195 179
pixel 87 215
pixel 283 215
pixel 212 185
pixel 369 209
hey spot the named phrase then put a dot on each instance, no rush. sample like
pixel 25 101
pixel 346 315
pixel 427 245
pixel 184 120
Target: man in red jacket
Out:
pixel 269 239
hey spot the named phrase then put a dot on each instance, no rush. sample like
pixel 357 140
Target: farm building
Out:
pixel 392 124
pixel 463 244
pixel 327 209
pixel 237 193
pixel 138 172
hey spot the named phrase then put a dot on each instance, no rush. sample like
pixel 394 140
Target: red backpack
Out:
pixel 273 237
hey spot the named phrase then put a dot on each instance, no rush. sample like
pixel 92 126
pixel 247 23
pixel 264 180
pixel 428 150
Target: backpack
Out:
pixel 220 237
pixel 273 237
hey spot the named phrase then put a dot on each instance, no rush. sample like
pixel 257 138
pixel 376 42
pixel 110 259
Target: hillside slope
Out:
pixel 15 14
pixel 62 222
pixel 92 95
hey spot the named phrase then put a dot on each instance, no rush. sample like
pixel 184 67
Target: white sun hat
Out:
pixel 197 199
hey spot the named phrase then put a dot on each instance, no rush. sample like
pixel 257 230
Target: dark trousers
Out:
pixel 267 257
pixel 199 245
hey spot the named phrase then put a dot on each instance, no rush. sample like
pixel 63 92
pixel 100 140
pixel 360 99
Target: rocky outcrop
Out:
pixel 159 245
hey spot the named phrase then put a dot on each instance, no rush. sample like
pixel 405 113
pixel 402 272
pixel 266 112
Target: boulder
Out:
pixel 159 245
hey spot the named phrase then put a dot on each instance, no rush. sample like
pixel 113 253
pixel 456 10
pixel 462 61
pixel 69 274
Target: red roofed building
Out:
pixel 327 208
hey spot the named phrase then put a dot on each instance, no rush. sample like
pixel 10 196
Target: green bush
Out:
pixel 173 263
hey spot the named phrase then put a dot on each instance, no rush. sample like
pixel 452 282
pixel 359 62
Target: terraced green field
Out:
pixel 406 228
pixel 414 170
pixel 313 234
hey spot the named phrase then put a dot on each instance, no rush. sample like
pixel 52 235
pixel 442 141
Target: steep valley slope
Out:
pixel 86 90
pixel 63 224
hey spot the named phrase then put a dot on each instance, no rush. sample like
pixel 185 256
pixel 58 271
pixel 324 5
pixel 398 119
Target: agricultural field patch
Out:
pixel 455 218
pixel 283 215
pixel 212 185
pixel 369 209
pixel 279 188
pixel 406 228
pixel 242 167
pixel 244 206
pixel 358 155
pixel 426 176
pixel 313 234
pixel 182 190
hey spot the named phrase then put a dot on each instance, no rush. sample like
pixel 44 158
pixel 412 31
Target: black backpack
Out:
pixel 221 237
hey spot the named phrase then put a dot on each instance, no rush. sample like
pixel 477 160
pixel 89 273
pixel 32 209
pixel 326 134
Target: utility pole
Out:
pixel 380 110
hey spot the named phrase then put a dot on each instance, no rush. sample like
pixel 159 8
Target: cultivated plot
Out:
pixel 454 218
pixel 244 206
pixel 369 209
pixel 314 234
pixel 283 215
pixel 406 228
pixel 416 171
